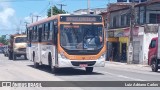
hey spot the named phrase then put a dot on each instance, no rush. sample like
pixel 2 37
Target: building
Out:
pixel 92 11
pixel 146 17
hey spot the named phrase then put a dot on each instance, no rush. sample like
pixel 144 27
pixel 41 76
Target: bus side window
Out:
pixel 36 34
pixel 46 32
pixel 43 32
pixel 40 33
pixel 55 32
pixel 33 38
pixel 50 30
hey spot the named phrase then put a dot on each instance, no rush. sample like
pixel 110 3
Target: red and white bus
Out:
pixel 67 41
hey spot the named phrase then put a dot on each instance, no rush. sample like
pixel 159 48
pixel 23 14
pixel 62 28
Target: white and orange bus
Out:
pixel 67 41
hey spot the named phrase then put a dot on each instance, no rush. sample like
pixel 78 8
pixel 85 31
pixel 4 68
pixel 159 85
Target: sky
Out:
pixel 14 13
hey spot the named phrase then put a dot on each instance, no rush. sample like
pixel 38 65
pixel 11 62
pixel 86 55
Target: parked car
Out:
pixel 5 50
pixel 1 49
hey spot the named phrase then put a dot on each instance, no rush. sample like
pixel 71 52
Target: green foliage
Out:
pixel 3 40
pixel 55 11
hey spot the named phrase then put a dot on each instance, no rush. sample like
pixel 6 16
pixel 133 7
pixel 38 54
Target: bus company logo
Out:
pixel 6 84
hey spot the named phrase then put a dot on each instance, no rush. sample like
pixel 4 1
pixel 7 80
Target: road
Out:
pixel 23 70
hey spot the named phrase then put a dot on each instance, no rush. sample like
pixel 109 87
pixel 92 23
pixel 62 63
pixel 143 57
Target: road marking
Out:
pixel 122 76
pixel 5 88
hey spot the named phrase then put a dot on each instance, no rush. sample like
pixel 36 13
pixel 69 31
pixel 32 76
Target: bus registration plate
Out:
pixel 83 65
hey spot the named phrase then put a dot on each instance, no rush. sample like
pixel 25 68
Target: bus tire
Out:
pixel 53 68
pixel 154 66
pixel 36 65
pixel 89 69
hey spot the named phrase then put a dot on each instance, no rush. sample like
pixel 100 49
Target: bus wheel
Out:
pixel 89 69
pixel 154 66
pixel 36 65
pixel 53 68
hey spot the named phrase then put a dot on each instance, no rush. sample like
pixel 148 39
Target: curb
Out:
pixel 125 64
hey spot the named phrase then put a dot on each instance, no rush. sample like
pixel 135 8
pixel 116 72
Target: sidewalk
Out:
pixel 128 66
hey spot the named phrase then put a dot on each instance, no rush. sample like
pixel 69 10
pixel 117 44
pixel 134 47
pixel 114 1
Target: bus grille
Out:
pixel 89 63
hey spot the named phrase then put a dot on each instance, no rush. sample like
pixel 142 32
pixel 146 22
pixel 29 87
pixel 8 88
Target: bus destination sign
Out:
pixel 81 19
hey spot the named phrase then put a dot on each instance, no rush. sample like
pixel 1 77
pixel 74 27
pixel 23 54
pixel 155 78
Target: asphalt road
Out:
pixel 23 70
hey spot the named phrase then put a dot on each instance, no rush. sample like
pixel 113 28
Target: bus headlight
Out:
pixel 62 55
pixel 103 56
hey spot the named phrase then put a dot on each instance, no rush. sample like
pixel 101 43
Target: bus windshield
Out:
pixel 20 40
pixel 81 37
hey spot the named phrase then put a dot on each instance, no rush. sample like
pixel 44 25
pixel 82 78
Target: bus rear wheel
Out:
pixel 89 69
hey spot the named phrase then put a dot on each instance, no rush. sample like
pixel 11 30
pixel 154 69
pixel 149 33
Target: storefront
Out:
pixel 123 44
pixel 117 46
pixel 123 48
pixel 112 44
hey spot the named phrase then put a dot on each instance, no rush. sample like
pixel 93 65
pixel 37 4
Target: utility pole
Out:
pixel 31 15
pixel 61 5
pixel 20 29
pixel 26 26
pixel 88 6
pixel 26 23
pixel 51 5
pixel 132 19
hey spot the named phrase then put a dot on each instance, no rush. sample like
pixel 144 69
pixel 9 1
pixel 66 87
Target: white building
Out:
pixel 147 15
pixel 92 11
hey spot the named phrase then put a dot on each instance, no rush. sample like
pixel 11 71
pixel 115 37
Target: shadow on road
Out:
pixel 66 71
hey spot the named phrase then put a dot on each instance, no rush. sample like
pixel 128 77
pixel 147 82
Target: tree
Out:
pixel 3 40
pixel 55 11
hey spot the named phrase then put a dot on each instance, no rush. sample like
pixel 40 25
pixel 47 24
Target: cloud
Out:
pixel 29 18
pixel 6 14
pixel 7 17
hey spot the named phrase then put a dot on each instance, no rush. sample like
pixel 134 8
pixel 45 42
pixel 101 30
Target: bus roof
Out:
pixel 43 20
pixel 56 16
pixel 18 35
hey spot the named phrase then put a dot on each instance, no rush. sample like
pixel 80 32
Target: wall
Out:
pixel 117 14
pixel 154 8
pixel 146 41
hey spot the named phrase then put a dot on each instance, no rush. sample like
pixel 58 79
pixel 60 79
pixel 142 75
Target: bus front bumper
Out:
pixel 79 63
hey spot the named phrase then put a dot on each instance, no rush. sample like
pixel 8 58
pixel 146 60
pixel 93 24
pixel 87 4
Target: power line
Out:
pixel 61 5
pixel 42 11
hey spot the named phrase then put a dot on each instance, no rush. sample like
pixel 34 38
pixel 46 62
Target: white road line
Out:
pixel 5 88
pixel 122 76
